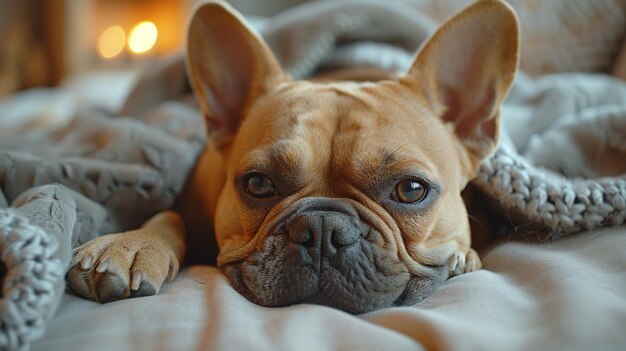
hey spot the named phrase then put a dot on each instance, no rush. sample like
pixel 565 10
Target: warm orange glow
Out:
pixel 111 42
pixel 142 37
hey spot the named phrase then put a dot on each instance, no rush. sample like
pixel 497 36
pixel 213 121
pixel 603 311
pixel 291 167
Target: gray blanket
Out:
pixel 560 162
pixel 99 172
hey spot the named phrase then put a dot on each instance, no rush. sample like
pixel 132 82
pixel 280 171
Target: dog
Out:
pixel 341 193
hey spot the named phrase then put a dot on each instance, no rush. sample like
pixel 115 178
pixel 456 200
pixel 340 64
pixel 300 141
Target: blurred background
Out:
pixel 45 41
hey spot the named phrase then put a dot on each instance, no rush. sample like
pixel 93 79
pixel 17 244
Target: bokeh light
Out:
pixel 142 37
pixel 111 42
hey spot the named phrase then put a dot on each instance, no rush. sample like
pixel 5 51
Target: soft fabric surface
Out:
pixel 568 295
pixel 133 166
pixel 558 35
pixel 561 157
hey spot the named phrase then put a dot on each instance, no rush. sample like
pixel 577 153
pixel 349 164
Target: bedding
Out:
pixel 561 163
pixel 567 295
pixel 71 174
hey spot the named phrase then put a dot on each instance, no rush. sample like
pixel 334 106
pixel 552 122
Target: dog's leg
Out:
pixel 129 264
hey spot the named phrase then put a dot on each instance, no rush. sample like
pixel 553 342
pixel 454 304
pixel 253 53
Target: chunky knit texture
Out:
pixel 33 283
pixel 562 205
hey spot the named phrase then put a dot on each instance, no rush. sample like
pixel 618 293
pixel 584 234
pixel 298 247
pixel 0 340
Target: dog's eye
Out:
pixel 258 185
pixel 410 191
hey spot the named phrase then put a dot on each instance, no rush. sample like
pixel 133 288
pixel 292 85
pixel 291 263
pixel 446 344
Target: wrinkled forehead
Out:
pixel 350 126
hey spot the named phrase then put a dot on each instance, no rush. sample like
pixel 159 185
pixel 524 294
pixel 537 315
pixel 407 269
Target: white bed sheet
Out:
pixel 566 295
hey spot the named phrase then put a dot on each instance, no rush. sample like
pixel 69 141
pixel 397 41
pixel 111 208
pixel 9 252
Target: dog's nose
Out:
pixel 325 228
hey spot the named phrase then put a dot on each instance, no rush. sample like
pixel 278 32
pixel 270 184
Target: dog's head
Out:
pixel 348 194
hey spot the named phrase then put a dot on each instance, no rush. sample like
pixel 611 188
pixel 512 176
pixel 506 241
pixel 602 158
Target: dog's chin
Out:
pixel 362 281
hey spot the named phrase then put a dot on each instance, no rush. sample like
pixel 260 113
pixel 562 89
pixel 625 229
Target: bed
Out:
pixel 563 292
pixel 567 295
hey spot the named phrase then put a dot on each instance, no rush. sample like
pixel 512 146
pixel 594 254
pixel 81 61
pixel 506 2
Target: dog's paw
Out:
pixel 460 263
pixel 118 266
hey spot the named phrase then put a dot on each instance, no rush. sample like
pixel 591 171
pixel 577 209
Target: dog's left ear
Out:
pixel 229 67
pixel 466 69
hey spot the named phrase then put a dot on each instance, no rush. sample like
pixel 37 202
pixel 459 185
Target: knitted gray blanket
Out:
pixel 561 161
pixel 98 173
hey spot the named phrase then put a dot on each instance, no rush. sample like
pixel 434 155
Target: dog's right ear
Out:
pixel 466 69
pixel 229 67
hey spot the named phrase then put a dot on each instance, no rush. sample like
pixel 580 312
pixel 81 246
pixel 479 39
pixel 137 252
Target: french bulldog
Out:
pixel 341 193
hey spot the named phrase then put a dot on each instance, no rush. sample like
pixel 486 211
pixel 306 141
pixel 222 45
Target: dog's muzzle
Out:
pixel 323 252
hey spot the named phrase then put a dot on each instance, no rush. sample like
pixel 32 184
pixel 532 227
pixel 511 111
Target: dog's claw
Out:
pixel 460 263
pixel 86 262
pixel 102 267
pixel 456 263
pixel 472 262
pixel 136 281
